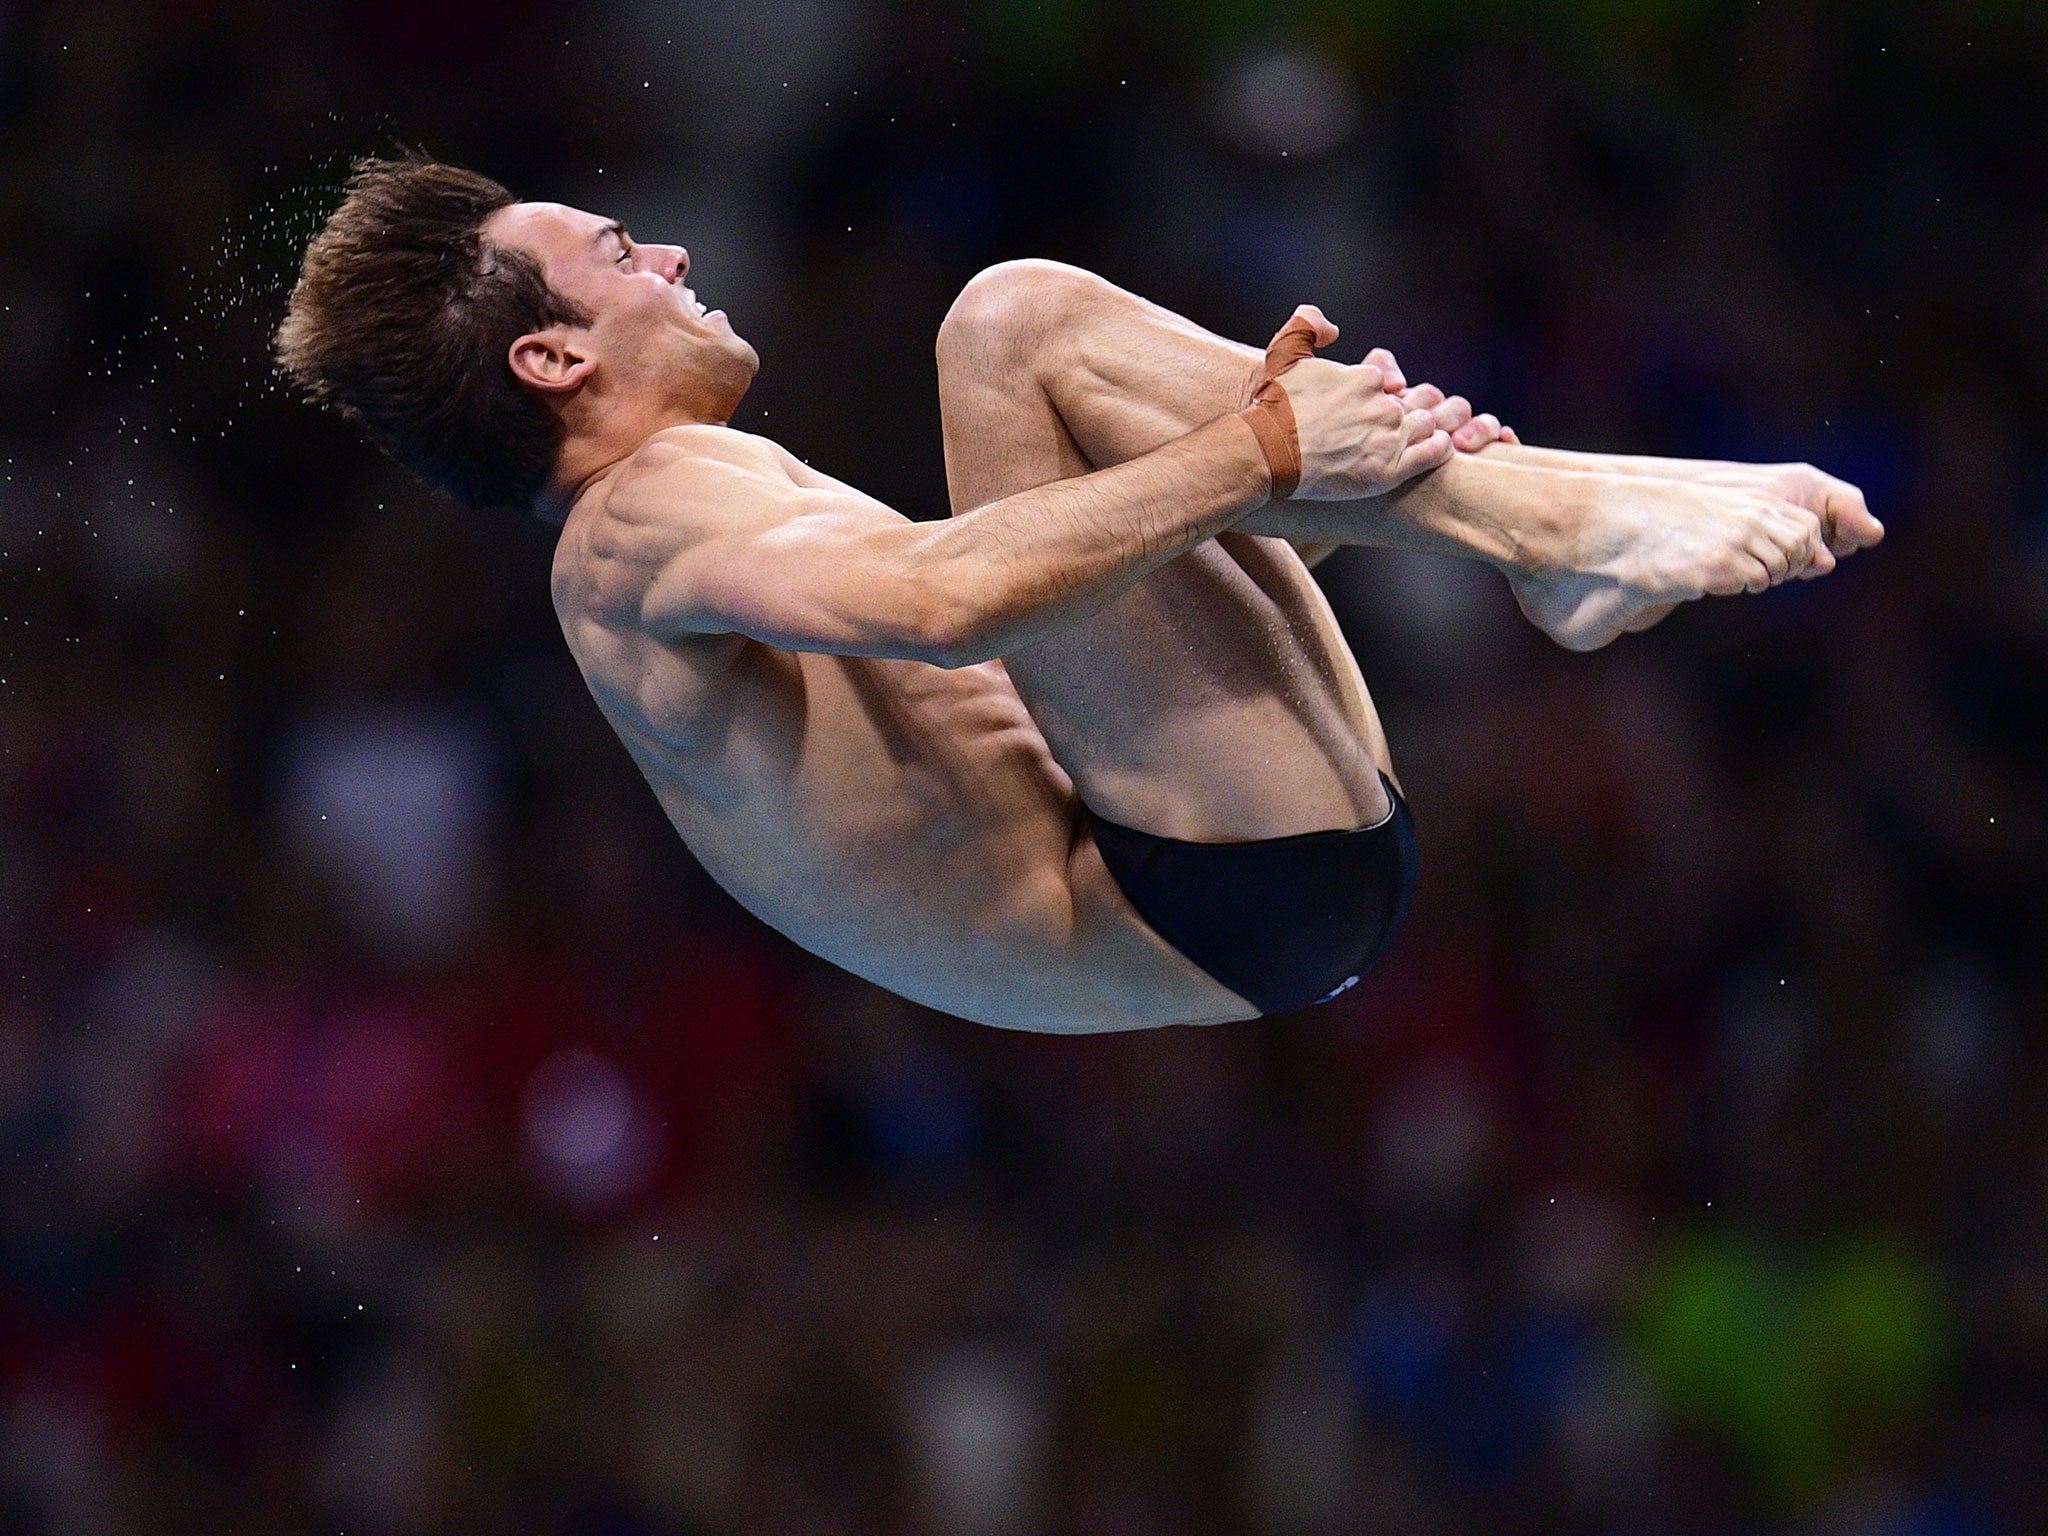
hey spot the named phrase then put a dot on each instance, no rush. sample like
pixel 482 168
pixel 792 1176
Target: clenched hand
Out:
pixel 1355 438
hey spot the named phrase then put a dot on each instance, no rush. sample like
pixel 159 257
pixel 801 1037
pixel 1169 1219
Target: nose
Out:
pixel 675 262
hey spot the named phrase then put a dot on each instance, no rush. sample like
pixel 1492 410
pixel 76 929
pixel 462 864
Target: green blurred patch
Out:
pixel 1805 1366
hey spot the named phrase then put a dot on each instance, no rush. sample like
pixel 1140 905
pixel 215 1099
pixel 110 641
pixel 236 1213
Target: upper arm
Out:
pixel 740 548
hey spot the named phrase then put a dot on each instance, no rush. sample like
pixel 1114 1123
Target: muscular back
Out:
pixel 903 819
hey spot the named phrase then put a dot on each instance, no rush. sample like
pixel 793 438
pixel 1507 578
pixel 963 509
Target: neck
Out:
pixel 598 436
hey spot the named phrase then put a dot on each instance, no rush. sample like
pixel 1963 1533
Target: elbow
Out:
pixel 959 607
pixel 956 639
pixel 952 630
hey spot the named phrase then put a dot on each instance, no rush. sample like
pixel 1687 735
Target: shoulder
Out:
pixel 676 453
pixel 684 486
pixel 684 481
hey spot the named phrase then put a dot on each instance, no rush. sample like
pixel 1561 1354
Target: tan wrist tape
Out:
pixel 1271 419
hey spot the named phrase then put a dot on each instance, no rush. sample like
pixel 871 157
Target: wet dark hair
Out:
pixel 401 320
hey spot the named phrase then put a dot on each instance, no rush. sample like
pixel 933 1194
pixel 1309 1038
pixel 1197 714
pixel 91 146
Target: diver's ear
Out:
pixel 549 362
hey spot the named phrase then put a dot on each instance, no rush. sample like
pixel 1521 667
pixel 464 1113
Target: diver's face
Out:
pixel 646 325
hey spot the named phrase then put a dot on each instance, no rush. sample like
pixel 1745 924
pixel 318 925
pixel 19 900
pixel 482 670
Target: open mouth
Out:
pixel 694 304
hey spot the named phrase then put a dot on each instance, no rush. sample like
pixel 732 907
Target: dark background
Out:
pixel 399 1134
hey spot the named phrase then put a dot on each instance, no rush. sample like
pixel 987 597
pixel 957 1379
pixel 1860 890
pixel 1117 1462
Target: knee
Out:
pixel 1010 311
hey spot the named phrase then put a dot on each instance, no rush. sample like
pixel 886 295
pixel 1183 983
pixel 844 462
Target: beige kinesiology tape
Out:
pixel 1270 415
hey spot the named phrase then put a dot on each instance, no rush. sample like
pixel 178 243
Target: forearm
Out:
pixel 1515 516
pixel 1138 374
pixel 1041 560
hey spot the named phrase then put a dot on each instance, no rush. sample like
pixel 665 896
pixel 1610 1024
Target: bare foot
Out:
pixel 1643 546
pixel 1844 515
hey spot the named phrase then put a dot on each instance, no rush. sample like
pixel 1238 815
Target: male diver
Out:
pixel 1091 754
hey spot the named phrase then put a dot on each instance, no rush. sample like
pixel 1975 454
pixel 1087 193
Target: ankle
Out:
pixel 1522 520
pixel 1553 513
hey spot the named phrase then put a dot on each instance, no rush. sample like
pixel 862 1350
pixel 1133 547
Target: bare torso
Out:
pixel 749 627
pixel 903 820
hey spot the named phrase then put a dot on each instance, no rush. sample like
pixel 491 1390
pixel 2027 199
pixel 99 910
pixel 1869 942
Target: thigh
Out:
pixel 1214 701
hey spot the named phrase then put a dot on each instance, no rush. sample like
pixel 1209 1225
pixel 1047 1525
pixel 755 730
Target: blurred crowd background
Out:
pixel 399 1134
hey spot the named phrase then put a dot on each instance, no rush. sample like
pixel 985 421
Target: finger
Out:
pixel 1305 330
pixel 1417 425
pixel 1476 433
pixel 1507 435
pixel 1371 378
pixel 1424 454
pixel 1383 360
pixel 1452 412
pixel 1325 329
pixel 1422 397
